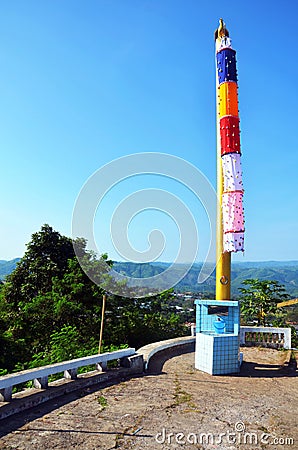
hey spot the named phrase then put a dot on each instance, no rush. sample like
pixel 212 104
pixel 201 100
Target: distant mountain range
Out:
pixel 285 272
pixel 6 267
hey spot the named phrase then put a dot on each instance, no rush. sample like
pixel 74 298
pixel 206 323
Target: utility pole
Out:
pixel 104 298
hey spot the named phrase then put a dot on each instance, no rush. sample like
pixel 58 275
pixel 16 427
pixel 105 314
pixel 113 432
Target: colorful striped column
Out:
pixel 230 236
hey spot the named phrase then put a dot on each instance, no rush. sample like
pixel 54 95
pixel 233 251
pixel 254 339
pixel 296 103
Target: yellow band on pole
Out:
pixel 227 96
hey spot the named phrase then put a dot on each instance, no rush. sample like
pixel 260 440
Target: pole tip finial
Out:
pixel 221 31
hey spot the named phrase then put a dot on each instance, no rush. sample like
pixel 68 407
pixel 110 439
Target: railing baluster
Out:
pixel 6 394
pixel 40 383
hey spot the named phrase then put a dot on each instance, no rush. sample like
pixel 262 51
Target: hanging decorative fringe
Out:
pixel 232 205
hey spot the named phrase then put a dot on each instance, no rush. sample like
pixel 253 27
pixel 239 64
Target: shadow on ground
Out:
pixel 22 418
pixel 248 368
pixel 255 370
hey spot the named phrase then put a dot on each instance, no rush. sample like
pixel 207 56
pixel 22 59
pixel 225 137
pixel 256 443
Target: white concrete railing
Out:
pixel 169 345
pixel 276 337
pixel 266 336
pixel 40 375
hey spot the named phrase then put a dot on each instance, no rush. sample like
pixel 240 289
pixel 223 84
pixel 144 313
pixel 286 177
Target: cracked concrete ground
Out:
pixel 177 408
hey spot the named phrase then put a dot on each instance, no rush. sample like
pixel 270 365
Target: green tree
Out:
pixel 48 289
pixel 63 344
pixel 140 321
pixel 259 300
pixel 47 255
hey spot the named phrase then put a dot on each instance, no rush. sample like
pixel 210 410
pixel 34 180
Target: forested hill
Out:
pixel 6 267
pixel 285 272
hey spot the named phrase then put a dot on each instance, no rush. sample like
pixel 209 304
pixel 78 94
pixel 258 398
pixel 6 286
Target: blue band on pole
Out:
pixel 226 65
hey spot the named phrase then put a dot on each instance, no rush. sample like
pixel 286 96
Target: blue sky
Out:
pixel 84 83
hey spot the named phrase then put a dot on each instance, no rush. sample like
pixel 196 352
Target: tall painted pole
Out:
pixel 223 268
pixel 230 222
